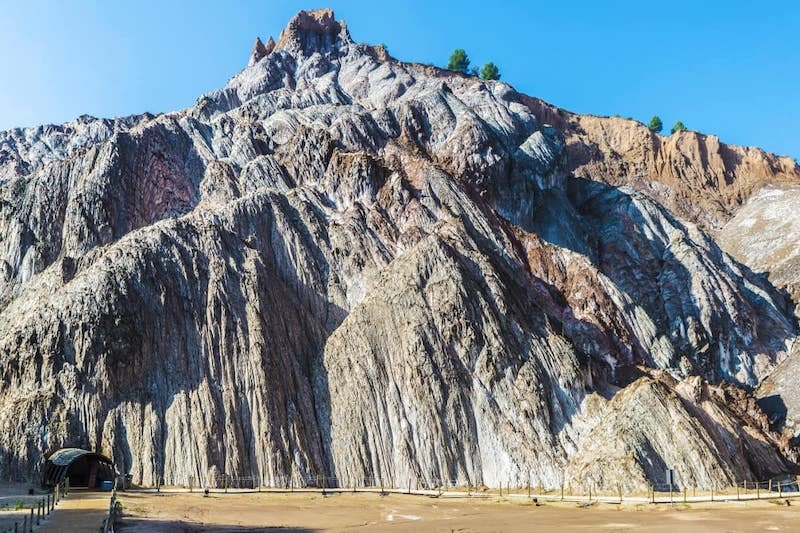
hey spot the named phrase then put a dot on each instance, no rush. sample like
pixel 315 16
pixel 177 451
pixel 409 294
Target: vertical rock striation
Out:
pixel 340 264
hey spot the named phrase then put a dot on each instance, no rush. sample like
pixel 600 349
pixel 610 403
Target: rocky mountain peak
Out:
pixel 313 31
pixel 346 266
pixel 260 50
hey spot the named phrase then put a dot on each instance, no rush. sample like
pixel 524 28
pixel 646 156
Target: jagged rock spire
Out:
pixel 313 31
pixel 261 50
pixel 306 33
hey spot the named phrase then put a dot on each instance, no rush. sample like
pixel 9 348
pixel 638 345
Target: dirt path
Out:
pixel 80 512
pixel 399 513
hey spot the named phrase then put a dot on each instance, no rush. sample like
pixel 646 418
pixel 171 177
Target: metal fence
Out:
pixel 575 492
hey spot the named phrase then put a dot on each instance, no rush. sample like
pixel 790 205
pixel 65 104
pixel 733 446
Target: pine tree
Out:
pixel 678 127
pixel 490 71
pixel 655 124
pixel 459 61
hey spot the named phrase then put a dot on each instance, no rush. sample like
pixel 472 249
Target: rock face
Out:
pixel 693 175
pixel 765 235
pixel 344 265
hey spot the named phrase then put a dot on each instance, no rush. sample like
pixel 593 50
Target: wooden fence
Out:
pixel 40 510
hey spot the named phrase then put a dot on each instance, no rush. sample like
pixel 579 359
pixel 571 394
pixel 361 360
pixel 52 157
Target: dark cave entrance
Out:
pixel 83 469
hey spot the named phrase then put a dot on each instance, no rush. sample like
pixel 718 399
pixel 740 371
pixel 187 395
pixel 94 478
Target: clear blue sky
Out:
pixel 730 68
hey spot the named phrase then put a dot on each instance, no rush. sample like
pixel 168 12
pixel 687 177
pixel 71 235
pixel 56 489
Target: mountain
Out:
pixel 345 265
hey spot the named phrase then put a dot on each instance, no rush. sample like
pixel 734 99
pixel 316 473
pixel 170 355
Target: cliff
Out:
pixel 341 264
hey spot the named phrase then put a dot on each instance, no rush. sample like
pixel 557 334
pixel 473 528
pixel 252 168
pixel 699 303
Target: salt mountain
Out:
pixel 341 264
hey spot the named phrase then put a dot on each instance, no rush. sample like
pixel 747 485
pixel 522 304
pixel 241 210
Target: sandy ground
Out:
pixel 306 512
pixel 13 496
pixel 80 512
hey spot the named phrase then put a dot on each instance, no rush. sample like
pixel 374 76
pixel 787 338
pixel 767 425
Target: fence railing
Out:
pixel 655 493
pixel 110 519
pixel 40 509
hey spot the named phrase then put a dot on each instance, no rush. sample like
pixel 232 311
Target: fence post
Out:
pixel 562 490
pixel 737 490
pixel 758 490
pixel 712 493
pixel 619 492
pixel 652 494
pixel 25 524
pixel 780 489
pixel 770 485
pixel 529 484
pixel 30 525
pixel 409 486
pixel 684 494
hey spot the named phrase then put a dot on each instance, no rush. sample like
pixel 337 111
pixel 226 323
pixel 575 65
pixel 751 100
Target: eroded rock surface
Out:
pixel 694 175
pixel 344 265
pixel 765 235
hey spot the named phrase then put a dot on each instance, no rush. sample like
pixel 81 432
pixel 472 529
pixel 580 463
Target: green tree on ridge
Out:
pixel 459 61
pixel 489 71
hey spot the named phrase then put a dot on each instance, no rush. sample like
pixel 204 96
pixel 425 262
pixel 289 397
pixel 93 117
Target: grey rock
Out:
pixel 344 265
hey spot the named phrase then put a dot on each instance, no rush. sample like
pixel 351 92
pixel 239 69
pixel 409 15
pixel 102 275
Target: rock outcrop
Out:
pixel 765 235
pixel 694 175
pixel 344 265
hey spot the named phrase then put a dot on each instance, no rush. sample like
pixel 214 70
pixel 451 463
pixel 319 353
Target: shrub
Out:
pixel 490 71
pixel 459 61
pixel 655 124
pixel 678 127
